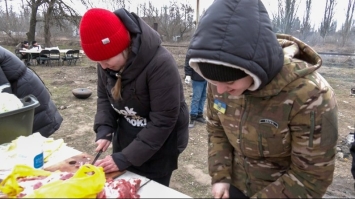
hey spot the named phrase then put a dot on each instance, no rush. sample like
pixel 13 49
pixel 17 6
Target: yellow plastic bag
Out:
pixel 87 182
pixel 9 185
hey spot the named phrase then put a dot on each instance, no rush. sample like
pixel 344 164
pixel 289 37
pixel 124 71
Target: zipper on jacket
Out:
pixel 311 131
pixel 242 118
pixel 247 180
pixel 260 141
pixel 260 144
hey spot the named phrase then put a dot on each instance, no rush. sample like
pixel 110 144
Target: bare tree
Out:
pixel 290 15
pixel 286 14
pixel 186 19
pixel 349 22
pixel 54 11
pixel 306 24
pixel 47 15
pixel 51 17
pixel 108 4
pixel 164 22
pixel 149 13
pixel 328 18
pixel 180 20
pixel 7 10
pixel 57 13
pixel 12 23
pixel 174 20
pixel 277 17
pixel 34 5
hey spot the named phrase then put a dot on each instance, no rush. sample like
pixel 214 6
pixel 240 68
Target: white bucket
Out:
pixel 30 151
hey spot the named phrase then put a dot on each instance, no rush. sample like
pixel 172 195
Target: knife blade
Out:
pixel 96 157
pixel 146 182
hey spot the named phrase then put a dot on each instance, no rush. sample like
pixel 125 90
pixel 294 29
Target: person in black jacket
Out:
pixel 24 56
pixel 22 81
pixel 352 152
pixel 198 100
pixel 141 106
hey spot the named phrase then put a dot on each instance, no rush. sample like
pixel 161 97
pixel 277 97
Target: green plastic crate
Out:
pixel 18 122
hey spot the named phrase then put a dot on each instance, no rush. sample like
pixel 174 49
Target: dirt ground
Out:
pixel 192 176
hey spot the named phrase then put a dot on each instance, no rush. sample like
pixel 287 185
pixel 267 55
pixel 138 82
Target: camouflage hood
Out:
pixel 295 51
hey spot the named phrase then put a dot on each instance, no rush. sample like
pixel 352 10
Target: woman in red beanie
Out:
pixel 141 106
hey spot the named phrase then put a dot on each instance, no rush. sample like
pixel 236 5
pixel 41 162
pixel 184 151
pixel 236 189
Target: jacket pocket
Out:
pixel 269 136
pixel 329 129
pixel 275 142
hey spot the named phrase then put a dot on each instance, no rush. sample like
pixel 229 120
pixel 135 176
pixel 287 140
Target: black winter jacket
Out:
pixel 24 82
pixel 151 121
pixel 191 72
pixel 352 152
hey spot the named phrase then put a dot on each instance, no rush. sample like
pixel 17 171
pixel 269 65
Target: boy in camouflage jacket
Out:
pixel 272 119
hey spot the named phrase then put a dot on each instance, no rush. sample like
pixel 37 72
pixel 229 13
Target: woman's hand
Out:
pixel 220 190
pixel 108 164
pixel 102 144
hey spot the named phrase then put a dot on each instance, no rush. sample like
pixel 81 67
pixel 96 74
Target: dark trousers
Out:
pixel 234 192
pixel 26 57
pixel 165 180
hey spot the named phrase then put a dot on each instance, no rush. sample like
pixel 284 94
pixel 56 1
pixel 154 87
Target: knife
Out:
pixel 96 157
pixel 146 182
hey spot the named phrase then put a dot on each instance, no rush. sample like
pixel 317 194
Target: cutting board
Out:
pixel 72 164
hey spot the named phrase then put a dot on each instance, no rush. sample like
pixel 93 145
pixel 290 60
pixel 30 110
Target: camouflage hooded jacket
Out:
pixel 278 139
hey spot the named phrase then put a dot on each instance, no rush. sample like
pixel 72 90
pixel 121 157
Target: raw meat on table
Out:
pixel 119 188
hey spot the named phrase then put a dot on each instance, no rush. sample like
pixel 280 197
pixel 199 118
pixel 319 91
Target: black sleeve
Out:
pixel 4 82
pixel 352 152
pixel 121 161
pixel 188 69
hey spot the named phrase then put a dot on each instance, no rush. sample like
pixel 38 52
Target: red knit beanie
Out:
pixel 102 34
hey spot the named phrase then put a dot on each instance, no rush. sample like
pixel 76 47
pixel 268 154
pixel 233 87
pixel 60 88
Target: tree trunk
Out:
pixel 306 24
pixel 347 26
pixel 31 34
pixel 47 23
pixel 327 18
